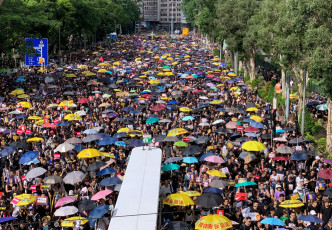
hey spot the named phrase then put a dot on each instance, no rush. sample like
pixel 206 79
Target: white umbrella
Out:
pixel 74 177
pixel 217 122
pixel 204 124
pixel 66 211
pixel 90 131
pixel 80 113
pixel 64 147
pixel 52 180
pixel 36 172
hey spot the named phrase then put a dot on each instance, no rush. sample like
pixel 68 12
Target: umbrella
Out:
pixel 89 153
pixel 177 225
pixel 213 222
pixel 90 131
pixel 192 193
pixel 176 132
pixel 74 177
pixel 66 211
pixel 253 146
pixel 280 158
pixel 298 157
pixel 325 174
pixel 310 218
pixel 190 160
pixel 188 118
pixel 203 139
pixel 65 200
pixel 214 159
pixel 218 184
pixel 69 222
pixel 91 138
pixel 178 199
pixel 246 183
pixel 97 212
pixel 273 221
pixel 106 171
pixel 296 141
pixel 170 167
pixel 213 190
pixel 247 156
pixel 23 199
pixel 96 165
pixel 205 155
pixel 328 192
pixel 28 156
pixel 110 181
pixel 86 205
pixel 79 147
pixel 216 173
pixel 101 194
pixel 8 218
pixel 173 159
pixel 36 172
pixel 74 140
pixel 52 180
pixel 285 150
pixel 170 139
pixel 7 150
pixel 291 204
pixel 136 142
pixel 181 144
pixel 152 120
pixel 191 150
pixel 64 147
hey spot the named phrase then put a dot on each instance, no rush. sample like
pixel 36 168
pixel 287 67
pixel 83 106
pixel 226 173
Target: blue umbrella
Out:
pixel 63 123
pixel 107 141
pixel 9 218
pixel 22 116
pixel 8 131
pixel 34 161
pixel 7 150
pixel 280 131
pixel 103 135
pixel 190 160
pixel 205 155
pixel 273 221
pixel 134 112
pixel 187 118
pixel 120 135
pixel 28 156
pixel 298 157
pixel 310 218
pixel 213 190
pixel 250 134
pixel 257 125
pixel 120 143
pixel 248 120
pixel 173 102
pixel 171 107
pixel 136 142
pixel 110 181
pixel 79 148
pixel 97 213
pixel 106 171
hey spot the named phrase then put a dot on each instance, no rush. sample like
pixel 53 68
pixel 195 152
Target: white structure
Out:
pixel 137 204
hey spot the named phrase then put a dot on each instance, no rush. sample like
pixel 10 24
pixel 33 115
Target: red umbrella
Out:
pixel 198 91
pixel 146 95
pixel 280 158
pixel 325 174
pixel 251 129
pixel 49 125
pixel 83 100
pixel 158 108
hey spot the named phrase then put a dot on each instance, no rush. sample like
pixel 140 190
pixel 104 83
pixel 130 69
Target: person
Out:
pixel 165 190
pixel 247 225
pixel 325 212
pixel 291 222
pixel 102 224
pixel 328 226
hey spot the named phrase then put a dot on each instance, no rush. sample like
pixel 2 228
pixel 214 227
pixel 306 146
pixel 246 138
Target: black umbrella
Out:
pixel 86 205
pixel 289 129
pixel 173 159
pixel 328 192
pixel 19 144
pixel 159 138
pixel 177 225
pixel 218 184
pixel 171 139
pixel 96 165
pixel 242 139
pixel 202 139
pixel 266 136
pixel 223 131
pixel 307 152
pixel 191 150
pixel 209 200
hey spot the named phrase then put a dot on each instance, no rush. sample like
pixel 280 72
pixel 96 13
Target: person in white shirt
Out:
pixel 165 190
pixel 102 224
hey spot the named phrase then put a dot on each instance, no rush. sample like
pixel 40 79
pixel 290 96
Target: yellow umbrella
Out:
pixel 116 63
pixel 185 109
pixel 186 56
pixel 108 155
pixel 232 74
pixel 25 104
pixel 215 102
pixel 252 109
pixel 216 59
pixel 154 82
pixel 89 153
pixel 234 88
pixel 124 130
pixel 102 71
pixel 156 57
pixel 169 74
pixel 220 85
pixel 216 173
pixel 17 92
pixel 23 199
pixel 40 122
pixel 66 103
pixel 166 98
pixel 253 146
pixel 291 204
pixel 178 199
pixel 213 222
pixel 23 96
pixel 73 117
pixel 103 64
pixel 142 76
pixel 69 222
pixel 82 67
pixel 71 75
pixel 96 52
pixel 35 139
pixel 227 78
pixel 192 193
pixel 176 132
pixel 34 118
pixel 160 74
pixel 256 118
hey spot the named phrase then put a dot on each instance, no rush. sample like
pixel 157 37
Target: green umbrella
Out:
pixel 181 144
pixel 166 67
pixel 152 120
pixel 170 167
pixel 246 183
pixel 322 107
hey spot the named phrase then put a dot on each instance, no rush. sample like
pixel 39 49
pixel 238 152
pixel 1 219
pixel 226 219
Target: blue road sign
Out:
pixel 40 57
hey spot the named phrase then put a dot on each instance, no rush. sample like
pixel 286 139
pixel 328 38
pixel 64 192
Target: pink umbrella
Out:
pixel 325 174
pixel 65 200
pixel 108 163
pixel 232 125
pixel 101 194
pixel 214 159
pixel 280 139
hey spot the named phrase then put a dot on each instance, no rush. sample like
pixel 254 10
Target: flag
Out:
pixel 101 59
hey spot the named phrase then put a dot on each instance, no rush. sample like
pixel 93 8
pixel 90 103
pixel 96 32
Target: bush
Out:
pixel 308 121
pixel 320 121
pixel 216 52
pixel 261 93
pixel 316 129
pixel 322 144
pixel 241 73
pixel 255 83
pixel 247 78
pixel 329 156
pixel 310 137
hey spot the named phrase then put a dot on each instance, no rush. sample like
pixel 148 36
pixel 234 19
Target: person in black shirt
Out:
pixel 325 212
pixel 292 221
pixel 248 225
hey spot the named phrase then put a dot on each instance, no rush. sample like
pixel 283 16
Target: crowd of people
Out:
pixel 67 131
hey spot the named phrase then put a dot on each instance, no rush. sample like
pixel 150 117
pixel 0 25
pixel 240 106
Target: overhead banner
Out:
pixel 39 56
